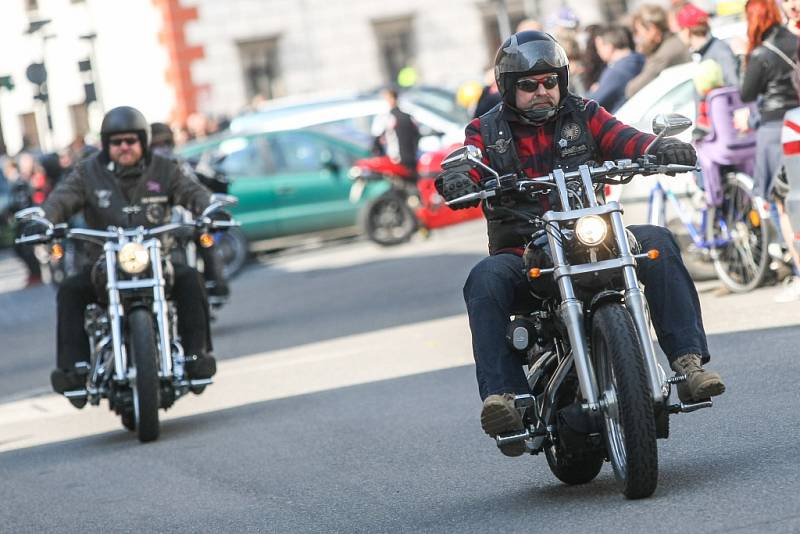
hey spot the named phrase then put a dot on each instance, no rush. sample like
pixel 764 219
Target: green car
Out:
pixel 291 184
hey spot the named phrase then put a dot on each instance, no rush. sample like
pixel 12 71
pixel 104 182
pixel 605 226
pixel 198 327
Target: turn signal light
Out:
pixel 535 273
pixel 206 240
pixel 755 218
pixel 56 251
pixel 653 254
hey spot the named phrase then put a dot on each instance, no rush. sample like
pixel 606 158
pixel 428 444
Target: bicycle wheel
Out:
pixel 742 263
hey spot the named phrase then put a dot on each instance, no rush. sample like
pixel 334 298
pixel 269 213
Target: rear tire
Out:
pixel 630 427
pixel 146 385
pixel 573 471
pixel 742 264
pixel 388 220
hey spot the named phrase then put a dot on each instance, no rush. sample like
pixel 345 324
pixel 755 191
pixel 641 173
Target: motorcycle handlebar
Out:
pixel 88 234
pixel 625 170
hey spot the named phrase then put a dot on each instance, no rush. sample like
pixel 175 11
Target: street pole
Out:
pixel 503 23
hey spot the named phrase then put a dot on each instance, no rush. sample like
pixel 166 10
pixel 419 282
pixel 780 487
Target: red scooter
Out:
pixel 407 206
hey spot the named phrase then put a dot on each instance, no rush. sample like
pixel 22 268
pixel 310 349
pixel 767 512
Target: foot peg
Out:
pixel 76 394
pixel 683 407
pixel 512 437
pixel 524 401
pixel 677 379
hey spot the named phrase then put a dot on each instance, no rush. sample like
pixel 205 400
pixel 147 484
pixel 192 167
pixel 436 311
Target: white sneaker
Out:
pixel 790 291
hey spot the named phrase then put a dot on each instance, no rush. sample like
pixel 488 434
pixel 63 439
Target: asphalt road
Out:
pixel 317 425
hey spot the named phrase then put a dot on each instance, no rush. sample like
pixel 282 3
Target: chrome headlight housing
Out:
pixel 591 230
pixel 133 258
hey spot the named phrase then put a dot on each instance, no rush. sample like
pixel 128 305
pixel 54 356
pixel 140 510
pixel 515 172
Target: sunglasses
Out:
pixel 530 86
pixel 128 141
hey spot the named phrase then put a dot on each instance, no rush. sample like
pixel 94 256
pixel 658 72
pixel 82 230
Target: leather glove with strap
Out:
pixel 671 151
pixel 456 184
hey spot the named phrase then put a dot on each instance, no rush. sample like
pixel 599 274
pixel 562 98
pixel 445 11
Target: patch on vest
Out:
pixel 571 131
pixel 501 146
pixel 574 150
pixel 103 198
pixel 154 213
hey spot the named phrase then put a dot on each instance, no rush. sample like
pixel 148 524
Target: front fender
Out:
pixel 601 298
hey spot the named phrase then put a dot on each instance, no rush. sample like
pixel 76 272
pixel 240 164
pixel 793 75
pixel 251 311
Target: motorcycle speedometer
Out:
pixel 133 258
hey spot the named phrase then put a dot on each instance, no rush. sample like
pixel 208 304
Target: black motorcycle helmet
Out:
pixel 526 53
pixel 125 119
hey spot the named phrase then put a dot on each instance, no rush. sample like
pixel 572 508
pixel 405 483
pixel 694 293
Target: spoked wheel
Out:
pixel 741 264
pixel 145 384
pixel 630 429
pixel 388 220
pixel 234 250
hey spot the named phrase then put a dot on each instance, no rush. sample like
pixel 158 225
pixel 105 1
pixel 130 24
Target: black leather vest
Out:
pixel 572 146
pixel 106 204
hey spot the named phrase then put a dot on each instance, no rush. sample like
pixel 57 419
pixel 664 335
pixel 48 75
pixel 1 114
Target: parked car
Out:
pixel 292 184
pixel 357 116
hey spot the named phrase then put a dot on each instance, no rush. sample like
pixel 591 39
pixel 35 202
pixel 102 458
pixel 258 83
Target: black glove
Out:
pixel 671 151
pixel 456 184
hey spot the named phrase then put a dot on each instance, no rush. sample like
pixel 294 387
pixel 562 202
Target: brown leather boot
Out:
pixel 500 416
pixel 699 384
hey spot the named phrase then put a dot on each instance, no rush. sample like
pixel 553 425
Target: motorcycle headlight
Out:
pixel 591 230
pixel 133 258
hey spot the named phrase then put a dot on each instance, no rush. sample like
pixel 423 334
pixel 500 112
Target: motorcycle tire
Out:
pixel 146 384
pixel 629 419
pixel 573 471
pixel 388 220
pixel 128 420
pixel 233 246
pixel 742 265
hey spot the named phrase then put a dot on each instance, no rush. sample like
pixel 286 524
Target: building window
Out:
pixel 613 9
pixel 260 67
pixel 79 113
pixel 395 45
pixel 30 132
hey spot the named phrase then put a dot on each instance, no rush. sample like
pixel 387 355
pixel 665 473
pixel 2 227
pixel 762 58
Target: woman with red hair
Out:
pixel 768 78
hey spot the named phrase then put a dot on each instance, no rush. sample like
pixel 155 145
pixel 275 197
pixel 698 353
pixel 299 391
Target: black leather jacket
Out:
pixel 767 75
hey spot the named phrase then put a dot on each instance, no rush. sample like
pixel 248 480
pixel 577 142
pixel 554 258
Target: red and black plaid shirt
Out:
pixel 535 145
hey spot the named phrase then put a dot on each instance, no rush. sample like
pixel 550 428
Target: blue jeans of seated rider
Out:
pixel 497 285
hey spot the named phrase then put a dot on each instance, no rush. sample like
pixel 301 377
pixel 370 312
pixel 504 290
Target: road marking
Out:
pixel 379 355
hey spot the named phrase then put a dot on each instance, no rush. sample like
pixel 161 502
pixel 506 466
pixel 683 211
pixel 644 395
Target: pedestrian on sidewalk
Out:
pixel 20 197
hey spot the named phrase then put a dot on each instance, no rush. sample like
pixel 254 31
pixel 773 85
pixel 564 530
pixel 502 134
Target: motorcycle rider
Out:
pixel 162 142
pixel 400 136
pixel 126 185
pixel 537 127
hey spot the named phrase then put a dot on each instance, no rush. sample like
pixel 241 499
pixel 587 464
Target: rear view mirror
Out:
pixel 670 124
pixel 29 214
pixel 464 157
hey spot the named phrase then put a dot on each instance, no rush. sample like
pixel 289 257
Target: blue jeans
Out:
pixel 497 285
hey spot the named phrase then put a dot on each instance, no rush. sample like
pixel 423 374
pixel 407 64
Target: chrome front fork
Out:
pixel 636 304
pixel 571 312
pixel 160 308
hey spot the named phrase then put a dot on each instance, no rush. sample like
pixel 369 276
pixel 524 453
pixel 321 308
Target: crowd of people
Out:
pixel 610 63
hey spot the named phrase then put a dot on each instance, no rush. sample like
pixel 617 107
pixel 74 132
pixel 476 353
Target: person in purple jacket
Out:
pixel 615 46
